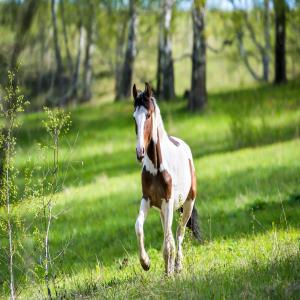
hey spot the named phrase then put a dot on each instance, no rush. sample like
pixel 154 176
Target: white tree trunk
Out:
pixel 165 65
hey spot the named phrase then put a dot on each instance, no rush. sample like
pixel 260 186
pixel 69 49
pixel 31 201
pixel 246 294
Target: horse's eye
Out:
pixel 148 116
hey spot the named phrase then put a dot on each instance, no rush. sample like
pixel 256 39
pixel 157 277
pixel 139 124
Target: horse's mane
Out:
pixel 158 125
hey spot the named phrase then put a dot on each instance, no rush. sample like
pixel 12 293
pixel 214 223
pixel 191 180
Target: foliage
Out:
pixel 58 122
pixel 40 186
pixel 11 104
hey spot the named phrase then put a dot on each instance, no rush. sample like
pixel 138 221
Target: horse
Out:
pixel 168 180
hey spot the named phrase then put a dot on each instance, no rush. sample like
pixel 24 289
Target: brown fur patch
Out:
pixel 156 187
pixel 176 143
pixel 148 130
pixel 159 186
pixel 154 153
pixel 193 189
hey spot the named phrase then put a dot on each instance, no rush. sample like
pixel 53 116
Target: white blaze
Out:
pixel 140 118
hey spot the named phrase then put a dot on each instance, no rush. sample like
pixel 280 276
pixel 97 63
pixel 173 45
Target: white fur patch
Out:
pixel 154 128
pixel 149 165
pixel 162 167
pixel 140 118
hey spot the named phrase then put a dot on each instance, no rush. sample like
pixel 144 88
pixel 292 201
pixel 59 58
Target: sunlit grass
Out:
pixel 248 200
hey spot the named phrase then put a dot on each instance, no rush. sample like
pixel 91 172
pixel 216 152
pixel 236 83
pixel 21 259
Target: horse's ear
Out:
pixel 134 92
pixel 148 90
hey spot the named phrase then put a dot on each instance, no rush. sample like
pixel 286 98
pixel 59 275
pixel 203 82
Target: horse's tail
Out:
pixel 193 224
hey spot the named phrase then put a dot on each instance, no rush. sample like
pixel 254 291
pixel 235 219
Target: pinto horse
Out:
pixel 168 179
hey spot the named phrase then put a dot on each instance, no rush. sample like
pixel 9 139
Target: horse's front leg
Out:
pixel 139 229
pixel 187 212
pixel 169 243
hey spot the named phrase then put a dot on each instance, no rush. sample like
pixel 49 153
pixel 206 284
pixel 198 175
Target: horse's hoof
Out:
pixel 145 266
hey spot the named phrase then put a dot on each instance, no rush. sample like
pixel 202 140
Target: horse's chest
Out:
pixel 156 187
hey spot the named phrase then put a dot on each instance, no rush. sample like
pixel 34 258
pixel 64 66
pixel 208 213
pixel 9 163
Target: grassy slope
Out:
pixel 247 158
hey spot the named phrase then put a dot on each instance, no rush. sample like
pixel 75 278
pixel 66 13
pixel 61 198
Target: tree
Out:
pixel 66 38
pixel 198 95
pixel 11 104
pixel 75 75
pixel 119 53
pixel 280 27
pixel 127 71
pixel 267 48
pixel 242 21
pixel 25 18
pixel 165 64
pixel 87 63
pixel 59 65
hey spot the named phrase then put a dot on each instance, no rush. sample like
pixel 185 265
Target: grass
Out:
pixel 246 149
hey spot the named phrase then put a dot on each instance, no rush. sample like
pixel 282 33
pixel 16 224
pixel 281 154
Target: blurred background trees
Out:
pixel 78 51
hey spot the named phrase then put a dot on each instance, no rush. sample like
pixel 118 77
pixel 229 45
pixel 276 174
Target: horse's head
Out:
pixel 144 109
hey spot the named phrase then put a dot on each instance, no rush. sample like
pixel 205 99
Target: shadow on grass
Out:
pixel 113 122
pixel 276 279
pixel 262 197
pixel 109 235
pixel 104 229
pixel 122 162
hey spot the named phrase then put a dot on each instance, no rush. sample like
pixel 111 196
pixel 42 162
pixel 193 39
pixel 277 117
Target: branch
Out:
pixel 244 55
pixel 182 56
pixel 220 49
pixel 252 34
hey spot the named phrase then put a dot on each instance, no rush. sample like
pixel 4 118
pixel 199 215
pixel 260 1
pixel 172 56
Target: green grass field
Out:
pixel 247 158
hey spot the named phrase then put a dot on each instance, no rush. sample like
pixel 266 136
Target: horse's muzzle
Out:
pixel 140 155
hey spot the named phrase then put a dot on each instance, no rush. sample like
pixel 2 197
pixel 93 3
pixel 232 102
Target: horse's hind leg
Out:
pixel 139 229
pixel 169 243
pixel 187 211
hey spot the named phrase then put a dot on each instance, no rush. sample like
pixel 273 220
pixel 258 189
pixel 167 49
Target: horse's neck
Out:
pixel 154 151
pixel 156 148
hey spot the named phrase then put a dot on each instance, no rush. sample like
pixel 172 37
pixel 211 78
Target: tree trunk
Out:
pixel 66 39
pixel 27 13
pixel 41 64
pixel 126 80
pixel 165 65
pixel 87 65
pixel 3 138
pixel 159 61
pixel 119 55
pixel 267 48
pixel 75 75
pixel 198 95
pixel 280 22
pixel 59 64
